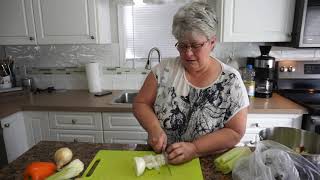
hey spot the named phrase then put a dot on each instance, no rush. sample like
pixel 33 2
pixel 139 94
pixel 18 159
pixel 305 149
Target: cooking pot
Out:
pixel 305 142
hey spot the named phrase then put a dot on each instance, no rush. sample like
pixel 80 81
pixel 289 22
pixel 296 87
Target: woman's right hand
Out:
pixel 157 140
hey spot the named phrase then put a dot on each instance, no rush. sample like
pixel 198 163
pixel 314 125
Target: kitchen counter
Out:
pixel 44 151
pixel 81 100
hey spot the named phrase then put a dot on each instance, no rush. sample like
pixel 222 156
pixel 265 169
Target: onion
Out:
pixel 62 156
pixel 148 161
pixel 140 165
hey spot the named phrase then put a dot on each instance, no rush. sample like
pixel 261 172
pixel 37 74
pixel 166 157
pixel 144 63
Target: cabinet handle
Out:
pixel 7 125
pixel 31 38
pixel 74 121
pixel 75 140
pixel 92 37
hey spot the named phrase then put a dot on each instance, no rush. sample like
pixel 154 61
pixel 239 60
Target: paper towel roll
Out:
pixel 93 77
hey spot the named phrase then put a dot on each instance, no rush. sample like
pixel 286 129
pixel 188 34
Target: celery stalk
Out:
pixel 73 169
pixel 229 155
pixel 226 161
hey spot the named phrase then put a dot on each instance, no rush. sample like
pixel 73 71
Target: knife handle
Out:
pixel 93 167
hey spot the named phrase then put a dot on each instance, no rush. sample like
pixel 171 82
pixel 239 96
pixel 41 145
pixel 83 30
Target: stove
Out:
pixel 299 81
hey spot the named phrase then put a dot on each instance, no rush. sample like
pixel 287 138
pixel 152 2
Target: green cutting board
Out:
pixel 119 165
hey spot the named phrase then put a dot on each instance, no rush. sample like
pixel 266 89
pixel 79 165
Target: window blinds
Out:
pixel 143 26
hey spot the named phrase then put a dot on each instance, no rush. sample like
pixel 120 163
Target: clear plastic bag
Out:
pixel 272 160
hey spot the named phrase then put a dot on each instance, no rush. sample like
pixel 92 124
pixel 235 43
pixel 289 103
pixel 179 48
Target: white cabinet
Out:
pixel 75 127
pixel 258 122
pixel 123 128
pixel 255 21
pixel 72 21
pixel 54 22
pixel 37 126
pixel 125 137
pixel 15 136
pixel 75 120
pixel 76 136
pixel 17 25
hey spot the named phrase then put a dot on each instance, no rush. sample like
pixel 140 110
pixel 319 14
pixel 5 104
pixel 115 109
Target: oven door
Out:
pixel 311 123
pixel 3 153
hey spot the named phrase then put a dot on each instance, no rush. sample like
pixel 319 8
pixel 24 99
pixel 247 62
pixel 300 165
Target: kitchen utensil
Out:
pixel 119 165
pixel 296 139
pixel 165 154
pixel 27 83
pixel 5 82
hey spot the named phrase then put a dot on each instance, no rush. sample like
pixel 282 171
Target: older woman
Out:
pixel 194 105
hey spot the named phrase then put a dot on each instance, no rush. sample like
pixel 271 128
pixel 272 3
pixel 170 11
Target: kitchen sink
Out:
pixel 125 98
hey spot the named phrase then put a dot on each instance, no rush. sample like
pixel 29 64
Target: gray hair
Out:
pixel 195 17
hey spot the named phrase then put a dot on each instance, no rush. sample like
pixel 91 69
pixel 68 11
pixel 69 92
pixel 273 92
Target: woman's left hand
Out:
pixel 181 152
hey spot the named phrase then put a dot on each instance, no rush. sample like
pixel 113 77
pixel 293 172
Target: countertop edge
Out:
pixel 103 104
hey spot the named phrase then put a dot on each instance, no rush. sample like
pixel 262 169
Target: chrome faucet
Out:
pixel 148 64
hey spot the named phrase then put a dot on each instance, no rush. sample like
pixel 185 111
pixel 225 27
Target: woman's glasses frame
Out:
pixel 193 46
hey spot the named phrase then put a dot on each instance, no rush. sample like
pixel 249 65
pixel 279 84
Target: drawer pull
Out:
pixel 7 125
pixel 74 121
pixel 75 140
pixel 255 124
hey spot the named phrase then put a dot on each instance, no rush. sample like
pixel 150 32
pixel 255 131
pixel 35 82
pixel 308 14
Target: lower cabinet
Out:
pixel 37 126
pixel 123 128
pixel 125 137
pixel 14 135
pixel 76 136
pixel 22 130
pixel 258 122
pixel 75 127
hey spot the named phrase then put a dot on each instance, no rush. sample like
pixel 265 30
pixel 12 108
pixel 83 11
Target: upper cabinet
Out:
pixel 17 25
pixel 255 20
pixel 59 21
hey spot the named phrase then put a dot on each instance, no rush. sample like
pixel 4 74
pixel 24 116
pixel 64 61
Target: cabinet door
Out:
pixel 16 19
pixel 259 122
pixel 255 21
pixel 37 125
pixel 15 136
pixel 65 22
pixel 75 120
pixel 76 136
pixel 125 137
pixel 120 122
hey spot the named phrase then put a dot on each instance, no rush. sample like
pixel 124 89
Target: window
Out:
pixel 143 26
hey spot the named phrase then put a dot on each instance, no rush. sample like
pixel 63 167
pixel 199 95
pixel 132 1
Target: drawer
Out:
pixel 76 136
pixel 75 120
pixel 272 120
pixel 125 137
pixel 121 122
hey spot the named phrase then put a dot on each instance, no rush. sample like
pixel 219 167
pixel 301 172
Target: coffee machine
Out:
pixel 264 66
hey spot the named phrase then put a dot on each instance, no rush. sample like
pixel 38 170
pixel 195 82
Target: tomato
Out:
pixel 39 170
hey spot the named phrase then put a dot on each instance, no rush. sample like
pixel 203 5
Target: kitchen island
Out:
pixel 44 151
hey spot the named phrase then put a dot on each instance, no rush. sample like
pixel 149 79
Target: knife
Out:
pixel 165 155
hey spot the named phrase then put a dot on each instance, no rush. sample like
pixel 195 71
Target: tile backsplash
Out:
pixel 62 66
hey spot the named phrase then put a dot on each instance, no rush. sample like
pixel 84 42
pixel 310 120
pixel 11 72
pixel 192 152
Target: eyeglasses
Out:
pixel 193 46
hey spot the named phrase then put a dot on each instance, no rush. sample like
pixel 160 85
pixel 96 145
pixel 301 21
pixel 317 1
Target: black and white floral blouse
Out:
pixel 185 111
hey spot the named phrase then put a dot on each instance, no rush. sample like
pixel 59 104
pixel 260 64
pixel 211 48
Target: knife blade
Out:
pixel 165 155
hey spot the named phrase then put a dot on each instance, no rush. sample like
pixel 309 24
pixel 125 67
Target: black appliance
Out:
pixel 306 26
pixel 299 81
pixel 264 66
